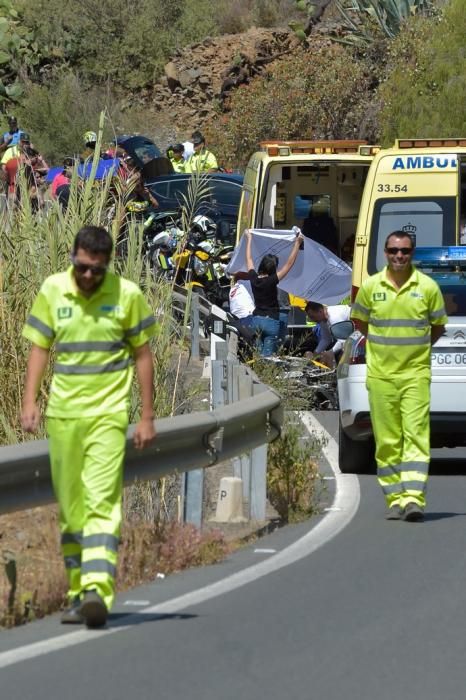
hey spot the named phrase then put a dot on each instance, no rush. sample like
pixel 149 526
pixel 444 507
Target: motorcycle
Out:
pixel 163 237
pixel 202 263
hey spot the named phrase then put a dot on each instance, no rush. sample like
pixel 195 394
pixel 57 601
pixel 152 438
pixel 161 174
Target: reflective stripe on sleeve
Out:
pixel 398 323
pixel 438 314
pixel 40 326
pixel 145 323
pixel 359 307
pixel 92 346
pixel 102 540
pixel 383 340
pixel 91 369
pixel 98 566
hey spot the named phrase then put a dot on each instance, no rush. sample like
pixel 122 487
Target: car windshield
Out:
pixel 453 286
pixel 225 192
pixel 431 222
pixel 178 189
pixel 147 152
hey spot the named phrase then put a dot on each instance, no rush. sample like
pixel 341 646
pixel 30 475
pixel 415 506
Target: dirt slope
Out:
pixel 198 79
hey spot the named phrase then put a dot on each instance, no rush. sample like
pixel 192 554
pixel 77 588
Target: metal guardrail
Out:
pixel 180 296
pixel 238 424
pixel 183 443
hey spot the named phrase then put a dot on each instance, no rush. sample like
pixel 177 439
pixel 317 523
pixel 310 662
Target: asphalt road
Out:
pixel 347 605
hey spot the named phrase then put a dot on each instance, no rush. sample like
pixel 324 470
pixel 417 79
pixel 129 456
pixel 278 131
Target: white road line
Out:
pixel 344 508
pixel 330 448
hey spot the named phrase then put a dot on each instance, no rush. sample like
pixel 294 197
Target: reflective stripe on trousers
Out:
pixel 86 456
pixel 400 420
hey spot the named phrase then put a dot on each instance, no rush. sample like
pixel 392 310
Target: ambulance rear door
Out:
pixel 250 194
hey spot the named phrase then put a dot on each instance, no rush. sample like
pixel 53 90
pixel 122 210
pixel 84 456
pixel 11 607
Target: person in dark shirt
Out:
pixel 264 283
pixel 321 228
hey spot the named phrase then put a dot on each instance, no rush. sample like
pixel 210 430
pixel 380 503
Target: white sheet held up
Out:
pixel 317 275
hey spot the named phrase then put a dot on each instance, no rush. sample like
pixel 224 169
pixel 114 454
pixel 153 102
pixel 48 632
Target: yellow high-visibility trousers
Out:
pixel 86 456
pixel 400 420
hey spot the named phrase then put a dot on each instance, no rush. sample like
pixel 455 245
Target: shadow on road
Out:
pixel 441 516
pixel 139 618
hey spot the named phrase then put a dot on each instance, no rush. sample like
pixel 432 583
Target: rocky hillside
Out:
pixel 199 79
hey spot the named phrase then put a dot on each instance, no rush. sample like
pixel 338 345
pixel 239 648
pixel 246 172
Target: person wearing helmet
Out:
pixel 176 158
pixel 90 142
pixel 202 160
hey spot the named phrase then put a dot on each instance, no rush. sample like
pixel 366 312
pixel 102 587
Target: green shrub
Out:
pixel 425 92
pixel 113 42
pixel 321 94
pixel 293 481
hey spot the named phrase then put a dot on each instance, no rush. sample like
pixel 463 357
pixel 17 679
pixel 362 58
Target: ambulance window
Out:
pixel 308 205
pixel 432 222
pixel 245 220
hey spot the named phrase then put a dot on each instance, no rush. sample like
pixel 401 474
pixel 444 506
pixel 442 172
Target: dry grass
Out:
pixel 32 575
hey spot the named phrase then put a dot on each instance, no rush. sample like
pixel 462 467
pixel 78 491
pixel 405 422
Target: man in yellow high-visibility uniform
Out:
pixel 401 312
pixel 202 160
pixel 99 323
pixel 176 158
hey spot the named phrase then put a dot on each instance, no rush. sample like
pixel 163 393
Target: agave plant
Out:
pixel 387 14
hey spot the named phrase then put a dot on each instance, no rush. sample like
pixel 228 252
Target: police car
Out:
pixel 447 266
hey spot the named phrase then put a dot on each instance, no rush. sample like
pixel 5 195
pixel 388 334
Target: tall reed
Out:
pixel 35 245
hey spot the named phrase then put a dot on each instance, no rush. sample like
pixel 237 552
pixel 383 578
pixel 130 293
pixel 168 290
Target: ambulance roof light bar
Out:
pixel 287 148
pixel 443 257
pixel 429 143
pixel 368 150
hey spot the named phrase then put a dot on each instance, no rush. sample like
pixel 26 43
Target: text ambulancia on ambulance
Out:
pixel 419 187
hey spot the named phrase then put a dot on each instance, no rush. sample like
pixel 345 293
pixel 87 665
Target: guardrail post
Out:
pixel 194 480
pixel 233 395
pixel 195 326
pixel 218 388
pixel 244 385
pixel 258 484
pixel 194 487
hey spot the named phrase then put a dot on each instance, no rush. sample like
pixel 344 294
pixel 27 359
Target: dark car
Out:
pixel 146 155
pixel 221 203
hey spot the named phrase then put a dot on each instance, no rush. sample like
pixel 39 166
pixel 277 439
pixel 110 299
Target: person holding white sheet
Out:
pixel 264 283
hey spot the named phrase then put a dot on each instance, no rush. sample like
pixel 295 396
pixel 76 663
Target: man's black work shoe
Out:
pixel 395 512
pixel 413 513
pixel 93 609
pixel 72 615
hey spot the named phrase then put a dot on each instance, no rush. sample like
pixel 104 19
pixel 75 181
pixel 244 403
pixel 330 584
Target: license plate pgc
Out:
pixel 449 359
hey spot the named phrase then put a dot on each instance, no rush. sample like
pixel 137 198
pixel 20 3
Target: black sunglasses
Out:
pixel 404 251
pixel 82 268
